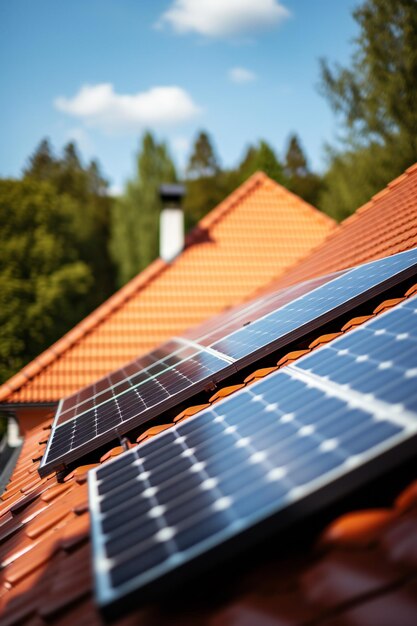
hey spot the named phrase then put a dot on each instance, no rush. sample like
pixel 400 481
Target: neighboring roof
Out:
pixel 255 235
pixel 362 570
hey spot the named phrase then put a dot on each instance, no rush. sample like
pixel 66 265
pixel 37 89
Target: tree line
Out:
pixel 66 244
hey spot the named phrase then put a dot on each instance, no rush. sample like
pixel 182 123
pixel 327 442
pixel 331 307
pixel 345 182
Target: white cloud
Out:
pixel 100 106
pixel 241 75
pixel 223 18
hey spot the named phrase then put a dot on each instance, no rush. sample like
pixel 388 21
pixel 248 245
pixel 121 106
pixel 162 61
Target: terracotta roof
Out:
pixel 256 234
pixel 385 225
pixel 362 569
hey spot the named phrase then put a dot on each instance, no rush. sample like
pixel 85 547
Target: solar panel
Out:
pixel 99 418
pixel 272 452
pixel 312 310
pixel 261 459
pixel 183 367
pixel 135 372
pixel 226 323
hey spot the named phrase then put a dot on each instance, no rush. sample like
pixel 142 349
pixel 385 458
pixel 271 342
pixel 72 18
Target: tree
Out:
pixel 87 188
pixel 203 162
pixel 295 160
pixel 135 216
pixel 355 175
pixel 42 164
pixel 206 183
pixel 44 281
pixel 299 178
pixel 376 98
pixel 262 158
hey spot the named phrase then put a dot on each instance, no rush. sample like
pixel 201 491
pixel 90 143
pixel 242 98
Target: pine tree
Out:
pixel 299 178
pixel 261 157
pixel 42 164
pixel 206 184
pixel 203 161
pixel 295 160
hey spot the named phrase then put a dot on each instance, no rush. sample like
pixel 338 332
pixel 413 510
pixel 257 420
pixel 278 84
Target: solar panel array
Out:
pixel 183 367
pixel 135 399
pixel 258 460
pixel 315 308
pixel 241 316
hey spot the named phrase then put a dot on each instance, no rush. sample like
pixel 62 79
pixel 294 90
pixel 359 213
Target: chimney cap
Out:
pixel 171 193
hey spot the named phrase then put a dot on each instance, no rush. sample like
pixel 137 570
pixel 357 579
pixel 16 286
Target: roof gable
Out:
pixel 258 232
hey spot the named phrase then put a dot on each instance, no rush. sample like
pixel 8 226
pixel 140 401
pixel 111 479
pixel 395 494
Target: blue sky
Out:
pixel 100 71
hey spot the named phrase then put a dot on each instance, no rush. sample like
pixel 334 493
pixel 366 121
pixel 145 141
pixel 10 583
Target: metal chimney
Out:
pixel 171 224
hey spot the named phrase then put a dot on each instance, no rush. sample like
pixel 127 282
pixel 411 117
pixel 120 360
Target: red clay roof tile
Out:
pixel 224 392
pixel 357 529
pixel 47 559
pixel 151 432
pixel 344 576
pixel 260 373
pixel 408 498
pixel 191 410
pixel 385 225
pixel 250 238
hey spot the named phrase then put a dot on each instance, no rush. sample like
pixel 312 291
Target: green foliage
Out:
pixel 205 193
pixel 207 185
pixel 203 162
pixel 135 216
pixel 357 174
pixel 261 158
pixel 295 160
pixel 44 281
pixel 205 181
pixel 87 188
pixel 376 98
pixel 299 178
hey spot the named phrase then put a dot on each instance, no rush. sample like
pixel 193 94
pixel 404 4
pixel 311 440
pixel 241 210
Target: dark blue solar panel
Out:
pixel 181 368
pixel 129 404
pixel 326 425
pixel 310 309
pixel 226 323
pixel 128 376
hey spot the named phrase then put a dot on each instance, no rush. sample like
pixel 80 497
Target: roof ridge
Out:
pixel 238 194
pixel 320 214
pixel 138 282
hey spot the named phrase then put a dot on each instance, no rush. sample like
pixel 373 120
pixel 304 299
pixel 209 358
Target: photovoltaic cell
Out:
pixel 181 368
pixel 317 307
pixel 271 453
pixel 136 371
pixel 126 405
pixel 222 325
